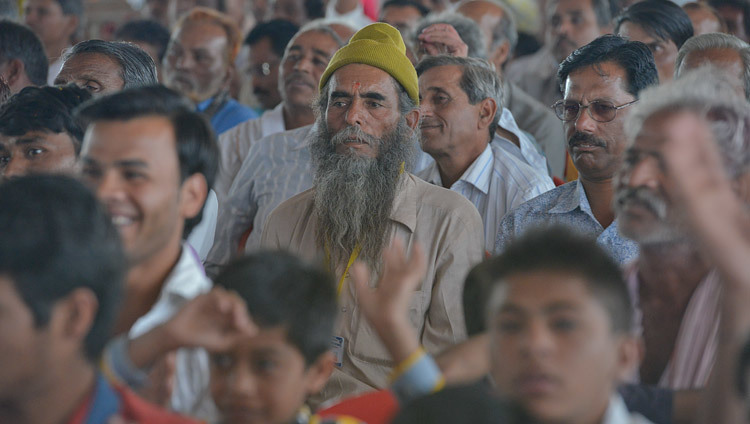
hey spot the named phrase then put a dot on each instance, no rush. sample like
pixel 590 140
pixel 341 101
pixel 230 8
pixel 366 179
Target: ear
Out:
pixel 193 195
pixel 629 356
pixel 14 71
pixel 412 118
pixel 487 111
pixel 318 373
pixel 73 316
pixel 500 55
pixel 741 186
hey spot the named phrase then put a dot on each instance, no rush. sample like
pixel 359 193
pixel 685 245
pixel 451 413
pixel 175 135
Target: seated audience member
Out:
pixel 61 268
pixel 736 16
pixel 38 132
pixel 23 62
pixel 446 34
pixel 362 198
pixel 304 60
pixel 151 160
pixel 105 67
pixel 571 24
pixel 149 35
pixel 267 42
pixel 275 166
pixel 56 23
pixel 497 22
pixel 697 183
pixel 705 18
pixel 404 15
pixel 726 53
pixel 676 293
pixel 461 102
pixel 270 341
pixel 605 78
pixel 558 310
pixel 199 64
pixel 661 25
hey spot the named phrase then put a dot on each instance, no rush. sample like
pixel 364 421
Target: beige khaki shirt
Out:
pixel 450 229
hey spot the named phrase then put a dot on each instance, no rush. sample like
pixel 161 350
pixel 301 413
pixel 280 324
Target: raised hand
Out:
pixel 387 305
pixel 442 39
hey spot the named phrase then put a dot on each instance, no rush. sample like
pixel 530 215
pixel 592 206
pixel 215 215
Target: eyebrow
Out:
pixel 437 89
pixel 124 163
pixel 29 140
pixel 552 308
pixel 369 95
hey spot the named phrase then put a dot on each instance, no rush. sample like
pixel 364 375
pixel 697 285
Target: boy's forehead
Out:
pixel 541 291
pixel 270 341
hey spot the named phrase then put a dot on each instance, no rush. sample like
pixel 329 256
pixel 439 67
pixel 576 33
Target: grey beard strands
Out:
pixel 354 195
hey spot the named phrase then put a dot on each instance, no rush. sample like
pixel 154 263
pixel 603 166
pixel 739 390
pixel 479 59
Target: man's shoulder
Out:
pixel 293 207
pixel 250 129
pixel 290 138
pixel 542 204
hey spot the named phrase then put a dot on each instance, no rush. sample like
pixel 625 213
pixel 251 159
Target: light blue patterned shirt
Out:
pixel 566 205
pixel 276 168
pixel 496 182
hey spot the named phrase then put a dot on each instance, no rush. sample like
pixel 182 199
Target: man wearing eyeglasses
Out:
pixel 600 82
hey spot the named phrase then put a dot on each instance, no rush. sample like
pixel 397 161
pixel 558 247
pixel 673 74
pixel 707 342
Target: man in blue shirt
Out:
pixel 604 78
pixel 199 64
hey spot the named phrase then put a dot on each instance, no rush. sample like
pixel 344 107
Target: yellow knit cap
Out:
pixel 379 45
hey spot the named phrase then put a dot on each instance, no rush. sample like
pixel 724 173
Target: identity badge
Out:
pixel 337 346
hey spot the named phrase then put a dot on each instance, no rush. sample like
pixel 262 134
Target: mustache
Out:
pixel 297 75
pixel 354 132
pixel 583 138
pixel 644 197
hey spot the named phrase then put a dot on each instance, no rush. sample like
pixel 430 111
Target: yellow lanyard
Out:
pixel 353 256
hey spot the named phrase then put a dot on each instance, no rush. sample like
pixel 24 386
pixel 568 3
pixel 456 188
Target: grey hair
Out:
pixel 716 41
pixel 137 68
pixel 479 80
pixel 506 29
pixel 467 29
pixel 323 25
pixel 708 93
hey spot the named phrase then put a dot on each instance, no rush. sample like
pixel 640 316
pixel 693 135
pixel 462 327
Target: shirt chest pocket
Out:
pixel 365 344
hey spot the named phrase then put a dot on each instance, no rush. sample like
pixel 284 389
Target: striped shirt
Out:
pixel 568 206
pixel 527 151
pixel 698 337
pixel 495 183
pixel 235 144
pixel 276 168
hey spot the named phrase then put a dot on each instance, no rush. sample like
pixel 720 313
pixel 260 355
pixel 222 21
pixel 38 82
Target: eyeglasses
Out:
pixel 599 110
pixel 262 69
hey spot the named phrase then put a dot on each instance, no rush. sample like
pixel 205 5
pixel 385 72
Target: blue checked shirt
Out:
pixel 566 205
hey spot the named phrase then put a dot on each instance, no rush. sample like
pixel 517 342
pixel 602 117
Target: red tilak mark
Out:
pixel 355 87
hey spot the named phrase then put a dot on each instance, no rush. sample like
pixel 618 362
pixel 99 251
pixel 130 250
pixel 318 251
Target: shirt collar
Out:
pixel 573 197
pixel 405 204
pixel 474 175
pixel 187 279
pixel 272 121
pixel 204 104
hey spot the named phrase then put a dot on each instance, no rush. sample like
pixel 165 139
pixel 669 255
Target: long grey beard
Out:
pixel 353 194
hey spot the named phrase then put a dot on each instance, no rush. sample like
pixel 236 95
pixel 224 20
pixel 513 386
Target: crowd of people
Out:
pixel 342 211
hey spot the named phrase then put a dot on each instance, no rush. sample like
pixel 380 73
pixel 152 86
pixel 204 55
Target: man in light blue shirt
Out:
pixel 603 77
pixel 461 107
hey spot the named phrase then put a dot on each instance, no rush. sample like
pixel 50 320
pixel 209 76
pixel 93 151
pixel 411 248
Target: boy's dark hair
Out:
pixel 19 42
pixel 632 56
pixel 561 251
pixel 281 291
pixel 407 3
pixel 661 19
pixel 278 31
pixel 48 109
pixel 137 69
pixel 197 151
pixel 145 31
pixel 55 237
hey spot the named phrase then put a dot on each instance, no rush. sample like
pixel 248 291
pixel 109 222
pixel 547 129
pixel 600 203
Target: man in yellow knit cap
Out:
pixel 362 198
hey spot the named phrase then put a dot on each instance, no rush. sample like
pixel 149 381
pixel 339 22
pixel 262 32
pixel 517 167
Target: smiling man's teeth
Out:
pixel 121 220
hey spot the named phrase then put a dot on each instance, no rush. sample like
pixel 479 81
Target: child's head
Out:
pixel 268 377
pixel 560 323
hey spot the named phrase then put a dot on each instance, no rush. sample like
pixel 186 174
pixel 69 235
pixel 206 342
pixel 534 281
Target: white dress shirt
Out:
pixel 495 183
pixel 191 395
